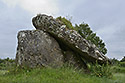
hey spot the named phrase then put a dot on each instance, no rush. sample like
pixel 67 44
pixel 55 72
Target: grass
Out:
pixel 9 73
pixel 119 77
pixel 118 69
pixel 59 75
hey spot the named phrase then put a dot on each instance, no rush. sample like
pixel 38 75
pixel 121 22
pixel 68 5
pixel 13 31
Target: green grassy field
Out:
pixel 10 73
pixel 60 75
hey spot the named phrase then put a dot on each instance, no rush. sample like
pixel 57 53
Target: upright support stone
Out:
pixel 37 48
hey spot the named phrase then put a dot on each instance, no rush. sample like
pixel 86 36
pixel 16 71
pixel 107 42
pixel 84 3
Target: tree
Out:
pixel 115 61
pixel 123 59
pixel 85 31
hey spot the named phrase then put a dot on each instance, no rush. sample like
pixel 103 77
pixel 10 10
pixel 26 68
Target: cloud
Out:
pixel 35 6
pixel 10 3
pixel 12 19
pixel 105 17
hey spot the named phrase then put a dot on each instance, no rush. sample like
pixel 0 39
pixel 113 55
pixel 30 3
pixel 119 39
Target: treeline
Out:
pixel 118 63
pixel 6 60
pixel 6 63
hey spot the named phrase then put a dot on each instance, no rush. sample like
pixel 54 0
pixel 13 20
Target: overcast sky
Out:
pixel 105 17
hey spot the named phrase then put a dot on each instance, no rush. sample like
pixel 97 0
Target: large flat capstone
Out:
pixel 69 38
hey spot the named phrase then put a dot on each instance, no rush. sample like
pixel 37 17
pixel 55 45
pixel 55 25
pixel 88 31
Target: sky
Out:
pixel 105 17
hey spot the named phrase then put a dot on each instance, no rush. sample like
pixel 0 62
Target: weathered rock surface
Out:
pixel 72 59
pixel 37 48
pixel 69 38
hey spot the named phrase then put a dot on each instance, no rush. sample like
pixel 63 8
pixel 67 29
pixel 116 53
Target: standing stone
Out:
pixel 37 48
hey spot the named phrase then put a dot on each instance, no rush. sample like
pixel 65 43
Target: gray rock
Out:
pixel 69 38
pixel 37 48
pixel 72 59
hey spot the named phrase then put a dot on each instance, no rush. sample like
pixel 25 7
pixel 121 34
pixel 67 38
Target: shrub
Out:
pixel 117 69
pixel 66 22
pixel 122 64
pixel 100 70
pixel 115 62
pixel 6 63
